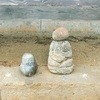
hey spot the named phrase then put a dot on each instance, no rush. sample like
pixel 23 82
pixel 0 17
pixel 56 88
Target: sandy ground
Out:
pixel 86 49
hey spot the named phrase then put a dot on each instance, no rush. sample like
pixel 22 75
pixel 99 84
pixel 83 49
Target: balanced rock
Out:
pixel 60 53
pixel 60 34
pixel 28 65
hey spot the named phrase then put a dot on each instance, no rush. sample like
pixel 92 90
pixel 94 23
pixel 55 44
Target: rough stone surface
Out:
pixel 60 57
pixel 53 62
pixel 67 63
pixel 60 34
pixel 60 70
pixel 61 48
pixel 57 57
pixel 28 65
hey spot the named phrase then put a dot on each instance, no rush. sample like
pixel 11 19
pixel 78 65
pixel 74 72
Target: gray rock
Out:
pixel 68 54
pixel 67 63
pixel 60 33
pixel 64 67
pixel 28 65
pixel 57 57
pixel 60 57
pixel 61 70
pixel 61 48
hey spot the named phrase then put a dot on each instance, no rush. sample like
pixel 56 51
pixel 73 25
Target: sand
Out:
pixel 86 49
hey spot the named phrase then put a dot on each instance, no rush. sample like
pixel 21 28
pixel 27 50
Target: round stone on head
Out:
pixel 60 33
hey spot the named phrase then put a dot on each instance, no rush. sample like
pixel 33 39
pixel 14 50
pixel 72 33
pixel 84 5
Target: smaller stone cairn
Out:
pixel 28 65
pixel 60 53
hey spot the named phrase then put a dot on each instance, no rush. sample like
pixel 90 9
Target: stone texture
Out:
pixel 60 70
pixel 28 65
pixel 67 63
pixel 61 48
pixel 53 62
pixel 57 57
pixel 60 34
pixel 60 57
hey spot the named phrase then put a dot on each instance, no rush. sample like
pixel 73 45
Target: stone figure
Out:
pixel 28 65
pixel 60 53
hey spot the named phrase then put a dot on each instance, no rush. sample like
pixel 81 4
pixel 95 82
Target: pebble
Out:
pixel 60 33
pixel 28 65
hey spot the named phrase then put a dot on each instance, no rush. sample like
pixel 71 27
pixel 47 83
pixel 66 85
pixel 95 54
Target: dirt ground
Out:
pixel 86 49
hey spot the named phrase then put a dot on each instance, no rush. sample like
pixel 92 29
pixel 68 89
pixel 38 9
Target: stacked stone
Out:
pixel 60 53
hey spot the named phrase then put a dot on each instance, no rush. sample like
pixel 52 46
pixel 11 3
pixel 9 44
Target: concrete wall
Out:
pixel 50 2
pixel 80 16
pixel 50 12
pixel 47 26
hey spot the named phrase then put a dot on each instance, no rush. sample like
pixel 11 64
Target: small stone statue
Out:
pixel 60 53
pixel 28 66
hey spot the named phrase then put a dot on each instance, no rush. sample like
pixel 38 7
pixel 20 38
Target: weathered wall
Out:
pixel 50 12
pixel 50 2
pixel 30 25
pixel 81 16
